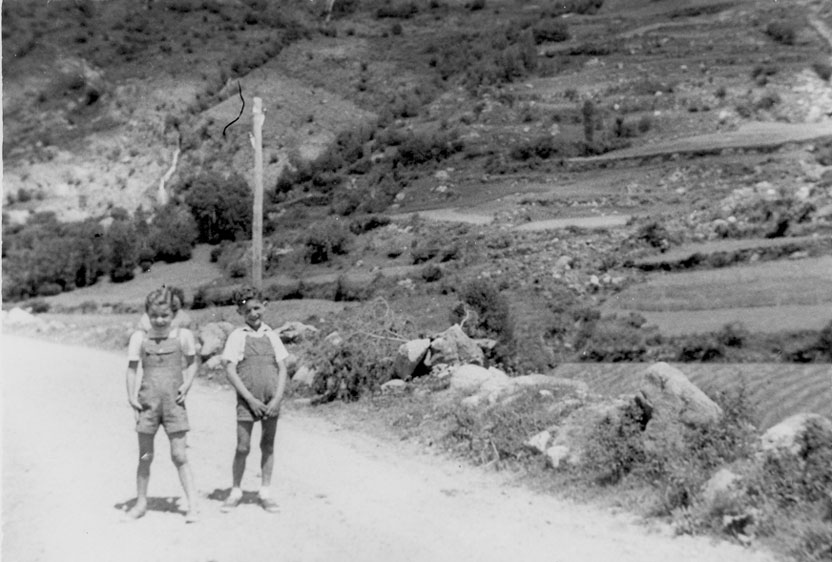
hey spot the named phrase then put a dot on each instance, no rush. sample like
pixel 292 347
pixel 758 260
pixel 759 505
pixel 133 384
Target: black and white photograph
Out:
pixel 416 281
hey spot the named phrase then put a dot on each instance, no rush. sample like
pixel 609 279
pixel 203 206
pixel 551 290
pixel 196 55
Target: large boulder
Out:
pixel 512 387
pixel 788 438
pixel 410 357
pixel 472 378
pixel 19 317
pixel 453 346
pixel 293 332
pixel 666 394
pixel 304 375
pixel 212 337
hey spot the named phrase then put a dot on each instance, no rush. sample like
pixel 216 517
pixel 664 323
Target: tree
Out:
pixel 222 208
pixel 174 233
pixel 122 250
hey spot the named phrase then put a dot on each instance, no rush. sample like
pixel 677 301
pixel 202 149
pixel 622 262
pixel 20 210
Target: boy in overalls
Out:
pixel 158 395
pixel 256 368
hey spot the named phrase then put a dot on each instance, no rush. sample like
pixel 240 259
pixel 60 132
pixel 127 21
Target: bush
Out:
pixel 493 317
pixel 371 333
pixel 612 340
pixel 423 148
pixel 49 290
pixel 823 69
pixel 550 30
pixel 39 306
pixel 402 10
pixel 326 239
pixel 782 32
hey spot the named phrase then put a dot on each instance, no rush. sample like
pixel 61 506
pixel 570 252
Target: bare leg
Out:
pixel 269 429
pixel 240 454
pixel 142 475
pixel 178 454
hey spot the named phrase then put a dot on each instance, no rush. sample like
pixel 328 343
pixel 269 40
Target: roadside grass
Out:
pixel 664 486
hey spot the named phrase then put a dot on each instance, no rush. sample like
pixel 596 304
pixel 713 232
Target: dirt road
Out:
pixel 69 459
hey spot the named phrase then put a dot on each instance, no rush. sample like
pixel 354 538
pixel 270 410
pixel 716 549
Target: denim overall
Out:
pixel 259 373
pixel 161 379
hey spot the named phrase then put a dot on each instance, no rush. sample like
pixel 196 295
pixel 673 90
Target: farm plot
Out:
pixel 775 390
pixel 771 284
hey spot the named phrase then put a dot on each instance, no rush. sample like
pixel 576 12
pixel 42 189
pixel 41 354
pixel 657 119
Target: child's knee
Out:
pixel 179 457
pixel 243 448
pixel 145 457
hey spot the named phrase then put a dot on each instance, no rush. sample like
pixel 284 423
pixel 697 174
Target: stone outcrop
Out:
pixel 788 438
pixel 295 332
pixel 410 357
pixel 212 337
pixel 453 346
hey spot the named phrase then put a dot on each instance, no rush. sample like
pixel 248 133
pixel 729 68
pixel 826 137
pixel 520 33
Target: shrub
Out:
pixel 612 339
pixel 49 289
pixel 402 10
pixel 654 234
pixel 326 239
pixel 615 448
pixel 368 223
pixel 701 348
pixel 761 72
pixel 588 112
pixel 423 148
pixel 823 69
pixel 493 316
pixel 550 30
pixel 39 306
pixel 782 32
pixel 363 361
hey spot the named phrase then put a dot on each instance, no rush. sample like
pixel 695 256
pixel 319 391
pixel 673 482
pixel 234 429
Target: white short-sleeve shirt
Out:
pixel 186 343
pixel 235 345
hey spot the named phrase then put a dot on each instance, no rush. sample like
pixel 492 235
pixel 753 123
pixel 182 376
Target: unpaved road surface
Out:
pixel 69 455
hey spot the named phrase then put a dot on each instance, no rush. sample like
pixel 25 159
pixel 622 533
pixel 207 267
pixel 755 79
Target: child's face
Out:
pixel 160 317
pixel 252 312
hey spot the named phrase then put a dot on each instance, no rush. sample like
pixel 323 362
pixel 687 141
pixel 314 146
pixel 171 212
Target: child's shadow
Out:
pixel 167 505
pixel 219 495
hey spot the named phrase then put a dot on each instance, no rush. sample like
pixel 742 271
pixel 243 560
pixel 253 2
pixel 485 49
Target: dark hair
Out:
pixel 160 297
pixel 246 293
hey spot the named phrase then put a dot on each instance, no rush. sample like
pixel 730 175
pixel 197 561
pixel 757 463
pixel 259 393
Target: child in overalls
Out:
pixel 158 395
pixel 256 368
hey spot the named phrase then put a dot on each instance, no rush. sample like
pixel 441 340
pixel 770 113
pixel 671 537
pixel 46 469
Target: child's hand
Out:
pixel 182 393
pixel 257 407
pixel 272 409
pixel 134 403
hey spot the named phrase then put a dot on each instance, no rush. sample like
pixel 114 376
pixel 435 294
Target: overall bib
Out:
pixel 259 373
pixel 161 379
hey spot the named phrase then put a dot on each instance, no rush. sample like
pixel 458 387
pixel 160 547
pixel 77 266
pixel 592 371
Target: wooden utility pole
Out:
pixel 257 217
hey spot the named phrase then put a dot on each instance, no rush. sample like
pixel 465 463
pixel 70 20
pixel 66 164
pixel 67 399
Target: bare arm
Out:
pixel 188 375
pixel 133 385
